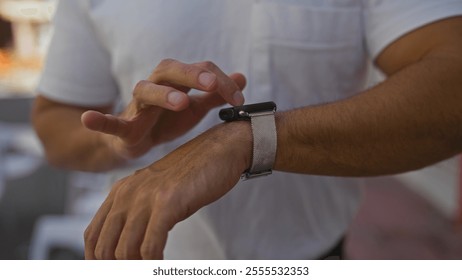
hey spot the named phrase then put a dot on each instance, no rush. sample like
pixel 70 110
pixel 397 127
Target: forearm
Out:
pixel 408 122
pixel 67 143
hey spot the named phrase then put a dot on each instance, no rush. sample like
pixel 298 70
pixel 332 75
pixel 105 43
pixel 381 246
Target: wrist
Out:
pixel 226 148
pixel 238 141
pixel 264 135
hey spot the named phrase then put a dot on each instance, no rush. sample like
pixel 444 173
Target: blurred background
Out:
pixel 44 210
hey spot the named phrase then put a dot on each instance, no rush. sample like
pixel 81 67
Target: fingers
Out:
pixel 155 239
pixel 109 236
pixel 170 81
pixel 128 240
pixel 118 229
pixel 132 236
pixel 135 242
pixel 105 123
pixel 210 100
pixel 93 231
pixel 205 76
pixel 149 93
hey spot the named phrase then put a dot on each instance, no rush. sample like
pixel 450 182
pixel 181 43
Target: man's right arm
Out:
pixel 67 142
pixel 91 139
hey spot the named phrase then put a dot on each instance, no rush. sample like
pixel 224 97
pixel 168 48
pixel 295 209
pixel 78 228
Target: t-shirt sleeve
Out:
pixel 77 68
pixel 387 20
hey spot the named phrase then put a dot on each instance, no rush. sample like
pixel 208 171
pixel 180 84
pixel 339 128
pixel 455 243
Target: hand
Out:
pixel 161 110
pixel 135 219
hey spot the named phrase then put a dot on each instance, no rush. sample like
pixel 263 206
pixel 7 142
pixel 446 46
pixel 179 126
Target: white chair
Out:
pixel 65 232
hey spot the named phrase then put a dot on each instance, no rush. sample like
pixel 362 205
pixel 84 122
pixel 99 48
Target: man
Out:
pixel 310 55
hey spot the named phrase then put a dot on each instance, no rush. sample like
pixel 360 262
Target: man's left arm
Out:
pixel 411 120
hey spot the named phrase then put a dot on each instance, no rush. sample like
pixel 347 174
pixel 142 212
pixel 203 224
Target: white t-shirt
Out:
pixel 294 52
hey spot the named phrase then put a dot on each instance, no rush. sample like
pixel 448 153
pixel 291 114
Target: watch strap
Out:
pixel 264 144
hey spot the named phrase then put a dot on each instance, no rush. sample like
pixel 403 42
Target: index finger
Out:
pixel 205 76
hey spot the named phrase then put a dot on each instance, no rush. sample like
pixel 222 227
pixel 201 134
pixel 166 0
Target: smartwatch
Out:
pixel 261 117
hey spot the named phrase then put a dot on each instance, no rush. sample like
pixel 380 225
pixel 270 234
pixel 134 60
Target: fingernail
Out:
pixel 206 79
pixel 238 98
pixel 175 98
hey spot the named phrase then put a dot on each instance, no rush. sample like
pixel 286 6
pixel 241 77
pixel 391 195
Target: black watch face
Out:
pixel 242 112
pixel 228 114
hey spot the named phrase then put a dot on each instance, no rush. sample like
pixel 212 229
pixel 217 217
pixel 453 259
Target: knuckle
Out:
pixel 139 88
pixel 119 186
pixel 103 253
pixel 143 203
pixel 126 253
pixel 148 251
pixel 189 70
pixel 164 197
pixel 166 62
pixel 170 207
pixel 89 237
pixel 159 71
pixel 208 65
